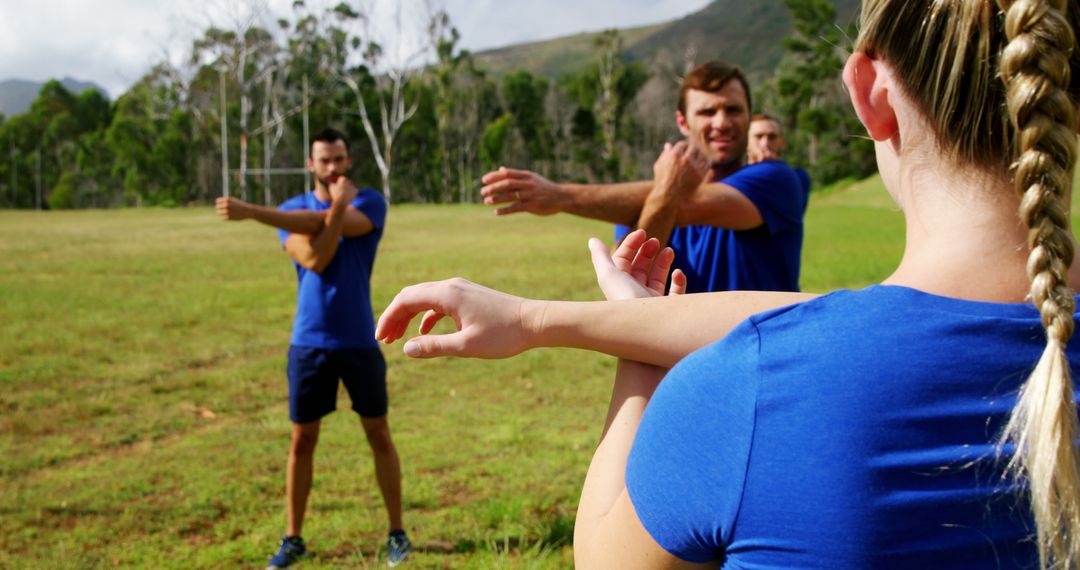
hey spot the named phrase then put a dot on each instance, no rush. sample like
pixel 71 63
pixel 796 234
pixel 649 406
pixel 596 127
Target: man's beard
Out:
pixel 326 181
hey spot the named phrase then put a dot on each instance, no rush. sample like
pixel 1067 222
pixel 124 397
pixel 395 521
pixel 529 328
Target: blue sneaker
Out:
pixel 398 548
pixel 292 550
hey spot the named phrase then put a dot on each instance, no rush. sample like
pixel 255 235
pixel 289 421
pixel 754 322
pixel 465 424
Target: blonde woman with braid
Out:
pixel 926 422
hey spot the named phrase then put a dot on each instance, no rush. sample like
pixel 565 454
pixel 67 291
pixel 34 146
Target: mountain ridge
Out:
pixel 17 94
pixel 748 34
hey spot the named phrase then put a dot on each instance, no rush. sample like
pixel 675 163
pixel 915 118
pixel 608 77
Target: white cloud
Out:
pixel 113 42
pixel 109 43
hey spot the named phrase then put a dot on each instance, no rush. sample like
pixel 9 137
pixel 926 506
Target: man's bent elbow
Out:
pixel 319 267
pixel 311 263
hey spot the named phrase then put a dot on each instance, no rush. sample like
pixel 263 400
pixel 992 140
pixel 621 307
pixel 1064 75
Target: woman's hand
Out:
pixel 638 268
pixel 490 324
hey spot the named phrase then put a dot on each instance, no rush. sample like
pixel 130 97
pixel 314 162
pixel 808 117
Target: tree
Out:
pixel 603 93
pixel 465 101
pixel 524 94
pixel 387 86
pixel 822 130
pixel 249 52
pixel 493 141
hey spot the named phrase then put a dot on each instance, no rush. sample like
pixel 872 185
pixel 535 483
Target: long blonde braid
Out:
pixel 1035 66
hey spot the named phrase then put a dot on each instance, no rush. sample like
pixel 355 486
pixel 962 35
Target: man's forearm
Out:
pixel 658 215
pixel 614 203
pixel 325 242
pixel 308 222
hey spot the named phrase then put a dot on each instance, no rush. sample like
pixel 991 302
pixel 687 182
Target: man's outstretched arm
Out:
pixel 715 204
pixel 526 191
pixel 308 222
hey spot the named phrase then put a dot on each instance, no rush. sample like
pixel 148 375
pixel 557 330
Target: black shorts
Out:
pixel 313 381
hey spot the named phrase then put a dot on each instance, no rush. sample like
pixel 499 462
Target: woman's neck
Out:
pixel 964 237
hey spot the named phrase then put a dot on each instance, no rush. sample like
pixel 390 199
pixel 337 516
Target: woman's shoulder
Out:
pixel 879 304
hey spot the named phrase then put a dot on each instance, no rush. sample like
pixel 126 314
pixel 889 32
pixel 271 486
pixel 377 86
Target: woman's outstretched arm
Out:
pixel 491 324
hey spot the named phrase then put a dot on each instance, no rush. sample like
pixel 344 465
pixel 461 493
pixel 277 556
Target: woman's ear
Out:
pixel 868 82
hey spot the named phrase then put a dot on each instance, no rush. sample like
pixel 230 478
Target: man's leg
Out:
pixel 299 474
pixel 387 466
pixel 366 383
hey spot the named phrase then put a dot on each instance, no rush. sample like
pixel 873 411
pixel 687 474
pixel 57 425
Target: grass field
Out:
pixel 144 420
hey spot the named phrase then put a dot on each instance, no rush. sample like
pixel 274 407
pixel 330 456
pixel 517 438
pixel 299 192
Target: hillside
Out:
pixel 556 57
pixel 749 34
pixel 17 94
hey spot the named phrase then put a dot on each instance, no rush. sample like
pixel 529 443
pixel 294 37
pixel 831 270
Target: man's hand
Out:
pixel 525 191
pixel 638 268
pixel 342 190
pixel 232 209
pixel 680 169
pixel 677 175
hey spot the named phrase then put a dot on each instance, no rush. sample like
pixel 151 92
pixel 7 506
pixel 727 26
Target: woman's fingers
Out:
pixel 678 283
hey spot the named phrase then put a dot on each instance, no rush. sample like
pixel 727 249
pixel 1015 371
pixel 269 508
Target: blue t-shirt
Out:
pixel 765 258
pixel 856 430
pixel 804 178
pixel 333 310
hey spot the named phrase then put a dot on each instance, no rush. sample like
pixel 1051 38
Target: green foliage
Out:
pixel 47 146
pixel 524 95
pixel 493 144
pixel 465 103
pixel 152 157
pixel 600 128
pixel 418 157
pixel 63 195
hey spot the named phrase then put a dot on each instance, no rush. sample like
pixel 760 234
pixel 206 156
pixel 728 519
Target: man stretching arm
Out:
pixel 740 230
pixel 332 235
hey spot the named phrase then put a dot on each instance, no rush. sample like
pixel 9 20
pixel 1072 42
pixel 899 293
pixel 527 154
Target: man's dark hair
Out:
pixel 711 76
pixel 330 136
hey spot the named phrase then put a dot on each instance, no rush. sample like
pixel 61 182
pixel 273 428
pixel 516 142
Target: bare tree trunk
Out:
pixel 395 112
pixel 392 116
pixel 268 80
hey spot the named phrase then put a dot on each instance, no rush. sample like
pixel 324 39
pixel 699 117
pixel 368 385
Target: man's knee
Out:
pixel 304 438
pixel 378 434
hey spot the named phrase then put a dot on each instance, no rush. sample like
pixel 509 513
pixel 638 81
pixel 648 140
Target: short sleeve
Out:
pixel 804 178
pixel 371 203
pixel 777 192
pixel 687 468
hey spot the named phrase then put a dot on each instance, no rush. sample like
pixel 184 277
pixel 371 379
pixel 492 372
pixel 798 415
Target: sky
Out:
pixel 113 42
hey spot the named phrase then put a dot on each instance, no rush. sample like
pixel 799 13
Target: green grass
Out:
pixel 144 420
